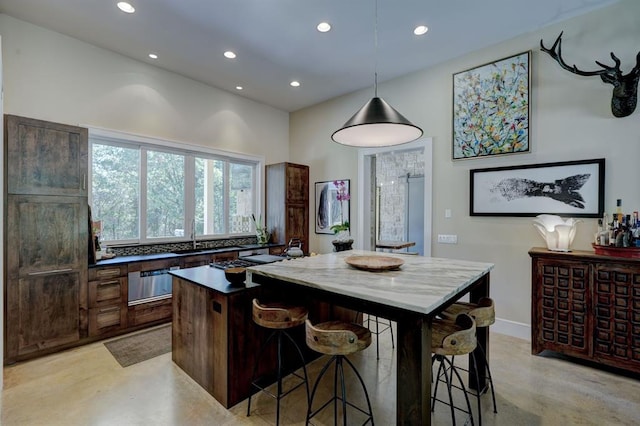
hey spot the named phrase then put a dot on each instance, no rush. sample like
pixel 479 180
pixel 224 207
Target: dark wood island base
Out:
pixel 214 338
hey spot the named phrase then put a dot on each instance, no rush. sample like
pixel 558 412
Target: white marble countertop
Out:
pixel 422 284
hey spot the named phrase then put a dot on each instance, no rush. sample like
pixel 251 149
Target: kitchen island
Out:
pixel 411 296
pixel 214 338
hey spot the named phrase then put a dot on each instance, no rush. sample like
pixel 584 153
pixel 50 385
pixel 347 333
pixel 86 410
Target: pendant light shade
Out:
pixel 376 124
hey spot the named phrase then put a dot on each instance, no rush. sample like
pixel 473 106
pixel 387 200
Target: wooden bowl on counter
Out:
pixel 235 276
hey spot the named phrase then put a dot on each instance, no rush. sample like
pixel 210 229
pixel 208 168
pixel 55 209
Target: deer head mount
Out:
pixel 625 87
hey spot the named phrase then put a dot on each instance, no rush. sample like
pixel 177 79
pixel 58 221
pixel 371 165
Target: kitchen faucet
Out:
pixel 193 233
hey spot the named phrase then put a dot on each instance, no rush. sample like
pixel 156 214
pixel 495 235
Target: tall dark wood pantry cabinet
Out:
pixel 46 236
pixel 287 197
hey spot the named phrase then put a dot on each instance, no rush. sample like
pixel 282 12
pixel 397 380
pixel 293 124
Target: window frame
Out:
pixel 190 151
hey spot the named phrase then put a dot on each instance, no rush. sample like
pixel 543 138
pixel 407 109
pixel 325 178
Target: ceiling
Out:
pixel 276 41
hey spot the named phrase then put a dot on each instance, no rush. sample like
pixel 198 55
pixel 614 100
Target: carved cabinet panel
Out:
pixel 617 312
pixel 562 306
pixel 587 306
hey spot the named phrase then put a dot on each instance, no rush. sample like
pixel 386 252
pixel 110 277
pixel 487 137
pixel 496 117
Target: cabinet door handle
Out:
pixel 101 283
pixel 53 271
pixel 105 310
pixel 84 181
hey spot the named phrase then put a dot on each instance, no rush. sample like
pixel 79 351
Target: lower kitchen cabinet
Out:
pixel 587 306
pixel 48 313
pixel 107 300
pixel 46 275
pixel 150 312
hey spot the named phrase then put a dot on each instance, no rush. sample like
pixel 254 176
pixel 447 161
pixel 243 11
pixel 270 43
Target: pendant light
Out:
pixel 377 123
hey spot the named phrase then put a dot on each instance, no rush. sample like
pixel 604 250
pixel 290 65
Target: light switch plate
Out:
pixel 447 239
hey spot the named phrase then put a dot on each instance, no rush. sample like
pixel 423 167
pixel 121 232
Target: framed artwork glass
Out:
pixel 491 108
pixel 568 188
pixel 332 205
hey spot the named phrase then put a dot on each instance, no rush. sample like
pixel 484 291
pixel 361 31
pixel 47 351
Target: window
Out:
pixel 144 190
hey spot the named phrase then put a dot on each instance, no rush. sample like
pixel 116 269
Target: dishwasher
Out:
pixel 149 286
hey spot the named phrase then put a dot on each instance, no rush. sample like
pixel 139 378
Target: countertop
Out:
pixel 212 278
pixel 420 285
pixel 118 260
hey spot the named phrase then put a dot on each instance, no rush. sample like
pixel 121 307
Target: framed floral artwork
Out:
pixel 332 206
pixel 491 108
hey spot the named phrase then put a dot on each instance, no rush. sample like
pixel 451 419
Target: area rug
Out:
pixel 142 346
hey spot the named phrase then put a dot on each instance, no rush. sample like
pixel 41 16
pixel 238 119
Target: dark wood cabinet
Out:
pixel 287 195
pixel 587 306
pixel 107 299
pixel 214 340
pixel 47 237
pixel 45 158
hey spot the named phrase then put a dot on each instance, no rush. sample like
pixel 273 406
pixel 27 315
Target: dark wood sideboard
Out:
pixel 586 306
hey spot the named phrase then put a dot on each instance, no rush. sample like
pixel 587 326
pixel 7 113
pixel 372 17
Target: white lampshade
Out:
pixel 557 232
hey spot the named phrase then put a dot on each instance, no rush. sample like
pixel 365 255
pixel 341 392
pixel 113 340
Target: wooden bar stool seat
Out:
pixel 484 314
pixel 338 339
pixel 448 339
pixel 278 317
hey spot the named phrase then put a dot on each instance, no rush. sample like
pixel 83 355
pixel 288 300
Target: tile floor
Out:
pixel 86 386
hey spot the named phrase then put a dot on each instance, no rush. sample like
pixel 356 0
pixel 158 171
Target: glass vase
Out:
pixel 262 235
pixel 343 236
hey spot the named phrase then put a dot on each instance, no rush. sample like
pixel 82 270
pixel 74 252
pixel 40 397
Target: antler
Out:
pixel 555 52
pixel 625 87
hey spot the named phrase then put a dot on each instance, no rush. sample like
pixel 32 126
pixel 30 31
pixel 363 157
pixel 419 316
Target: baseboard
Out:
pixel 512 328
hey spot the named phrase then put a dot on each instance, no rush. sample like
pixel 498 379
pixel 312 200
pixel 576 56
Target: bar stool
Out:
pixel 278 317
pixel 484 314
pixel 386 325
pixel 339 339
pixel 450 338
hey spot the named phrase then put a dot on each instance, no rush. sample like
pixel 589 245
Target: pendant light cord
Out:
pixel 375 51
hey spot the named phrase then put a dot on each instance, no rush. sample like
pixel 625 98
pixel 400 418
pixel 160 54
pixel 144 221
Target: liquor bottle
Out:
pixel 619 210
pixel 603 231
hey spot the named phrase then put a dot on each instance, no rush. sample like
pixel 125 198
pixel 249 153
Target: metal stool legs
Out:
pixel 339 373
pixel 278 334
pixel 448 371
pixel 478 392
pixel 387 326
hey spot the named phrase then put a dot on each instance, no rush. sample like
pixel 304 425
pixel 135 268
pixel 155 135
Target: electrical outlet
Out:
pixel 447 213
pixel 447 239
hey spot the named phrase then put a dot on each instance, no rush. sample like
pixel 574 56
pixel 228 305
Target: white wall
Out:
pixel 53 77
pixel 570 120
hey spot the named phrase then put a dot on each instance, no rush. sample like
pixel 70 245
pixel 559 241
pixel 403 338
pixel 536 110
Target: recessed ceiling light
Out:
pixel 126 7
pixel 229 54
pixel 323 27
pixel 295 84
pixel 153 56
pixel 239 87
pixel 421 29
